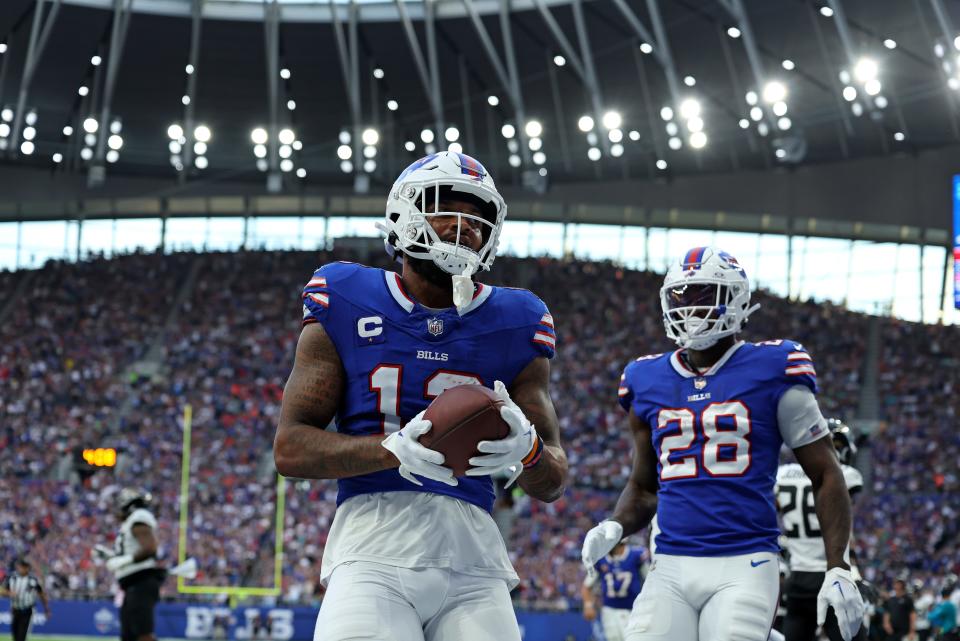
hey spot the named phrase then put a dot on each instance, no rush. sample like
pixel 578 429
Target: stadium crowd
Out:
pixel 87 358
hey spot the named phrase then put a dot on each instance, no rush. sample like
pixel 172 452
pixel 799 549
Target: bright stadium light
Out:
pixel 756 114
pixel 826 11
pixel 116 126
pixel 344 137
pixel 113 156
pixel 774 91
pixel 202 133
pixel 493 101
pixel 297 145
pixel 872 87
pixel 189 69
pixel 698 140
pixel 26 147
pixel 369 166
pixel 733 32
pixel 690 108
pixel 260 151
pixel 262 164
pixel 287 136
pixel 83 90
pixel 452 134
pixel 533 129
pixel 675 143
pixel 393 105
pixel 96 60
pixel 199 148
pixel 174 131
pixel 370 136
pixel 301 173
pixel 175 147
pixel 593 154
pixel 615 135
pixel 90 125
pixel 634 135
pixel 890 43
pixel 410 145
pixel 744 123
pixel 689 81
pixel 784 123
pixel 514 160
pixel 866 69
pixel 612 120
pixel 661 164
pixel 344 152
pixel 291 104
pixel 539 158
pixel 559 60
pixel 29 133
pixel 286 165
pixel 89 140
pixel 258 136
pixel 695 124
pixel 672 129
pixel 31 118
pixel 780 153
pixel 67 130
pixel 115 142
pixel 368 152
pixel 455 148
pixel 616 150
pixel 898 136
pixel 780 108
pixel 666 113
pixel 535 144
pixel 378 73
pixel 881 102
pixel 507 130
pixel 285 73
pixel 426 136
pixel 201 162
pixel 346 166
pixel 788 65
pixel 585 123
pixel 3 47
pixel 6 114
pixel 57 157
pixel 646 48
pixel 849 94
pixel 86 153
pixel 185 100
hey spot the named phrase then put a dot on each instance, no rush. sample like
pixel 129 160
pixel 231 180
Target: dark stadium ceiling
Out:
pixel 895 59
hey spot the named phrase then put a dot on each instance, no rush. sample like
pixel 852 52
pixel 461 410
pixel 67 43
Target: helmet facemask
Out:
pixel 700 311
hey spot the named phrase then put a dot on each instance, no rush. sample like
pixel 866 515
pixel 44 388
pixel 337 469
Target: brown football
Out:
pixel 461 417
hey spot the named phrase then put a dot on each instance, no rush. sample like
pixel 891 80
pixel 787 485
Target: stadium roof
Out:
pixel 707 65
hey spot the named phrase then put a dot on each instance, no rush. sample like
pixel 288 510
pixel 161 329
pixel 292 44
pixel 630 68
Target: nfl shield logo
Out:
pixel 435 326
pixel 700 383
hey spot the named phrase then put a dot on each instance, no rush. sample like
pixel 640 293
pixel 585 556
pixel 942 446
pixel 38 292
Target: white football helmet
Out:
pixel 705 296
pixel 406 223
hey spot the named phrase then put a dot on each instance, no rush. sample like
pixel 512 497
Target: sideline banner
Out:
pixel 198 621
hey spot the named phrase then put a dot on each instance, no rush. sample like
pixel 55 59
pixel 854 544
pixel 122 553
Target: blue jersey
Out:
pixel 620 579
pixel 717 443
pixel 398 355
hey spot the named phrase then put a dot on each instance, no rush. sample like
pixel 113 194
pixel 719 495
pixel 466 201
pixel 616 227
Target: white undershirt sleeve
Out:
pixel 799 417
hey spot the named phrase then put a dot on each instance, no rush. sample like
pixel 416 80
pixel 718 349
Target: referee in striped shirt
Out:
pixel 23 589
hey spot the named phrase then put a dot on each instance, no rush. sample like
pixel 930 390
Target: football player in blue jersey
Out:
pixel 413 552
pixel 620 577
pixel 708 421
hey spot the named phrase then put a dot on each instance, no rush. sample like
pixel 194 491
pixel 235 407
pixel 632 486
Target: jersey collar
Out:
pixel 683 370
pixel 399 294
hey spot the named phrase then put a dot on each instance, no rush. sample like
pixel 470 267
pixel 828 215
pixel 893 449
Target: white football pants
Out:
pixel 376 602
pixel 687 598
pixel 614 621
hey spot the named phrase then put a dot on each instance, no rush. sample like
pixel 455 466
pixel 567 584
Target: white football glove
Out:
pixel 506 456
pixel 415 458
pixel 114 563
pixel 598 543
pixel 841 593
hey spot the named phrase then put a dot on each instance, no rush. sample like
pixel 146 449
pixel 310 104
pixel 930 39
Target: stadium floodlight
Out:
pixel 370 166
pixel 370 136
pixel 890 43
pixel 199 148
pixel 297 145
pixel 451 134
pixel 202 133
pixel 262 164
pixel 286 165
pixel 426 136
pixel 661 164
pixel 393 105
pixel 690 108
pixel 756 114
pixel 201 162
pixel 259 136
pixel 559 60
pixel 689 81
pixel 285 73
pixel 542 171
pixel 612 119
pixel 956 42
pixel 585 123
pixel 90 125
pixel 826 12
pixel 533 128
pixel 29 133
pixel 592 139
pixel 507 130
pixel 672 129
pixel 774 91
pixel 260 151
pixel 872 87
pixel 378 73
pixel 857 109
pixel 455 148
pixel 83 90
pixel 744 123
pixel 615 135
pixel 430 149
pixel 116 126
pixel 174 131
pixel 493 101
pixel 634 135
pixel 301 173
pixel 7 114
pixel 410 145
pixel 86 153
pixel 698 140
pixel 733 32
pixel 3 47
pixel 67 130
pixel 344 137
pixel 369 151
pixel 26 147
pixel 788 65
pixel 287 136
pixel 666 113
pixel 535 144
pixel 89 140
pixel 866 69
pixel 849 93
pixel 185 100
pixel 646 48
pixel 115 142
pixel 189 69
pixel 539 158
pixel 96 60
pixel 285 151
pixel 880 102
pixel 780 108
pixel 762 129
pixel 291 104
pixel 593 154
pixel 784 123
pixel 751 97
pixel 514 160
pixel 175 147
pixel 616 150
pixel 344 152
pixel 675 143
pixel 113 156
pixel 898 136
pixel 346 166
pixel 695 124
pixel 780 153
pixel 57 157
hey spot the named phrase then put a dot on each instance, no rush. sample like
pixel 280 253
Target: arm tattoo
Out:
pixel 544 481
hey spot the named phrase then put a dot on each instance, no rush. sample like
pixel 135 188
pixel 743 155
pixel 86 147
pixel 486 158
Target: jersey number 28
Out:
pixel 732 460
